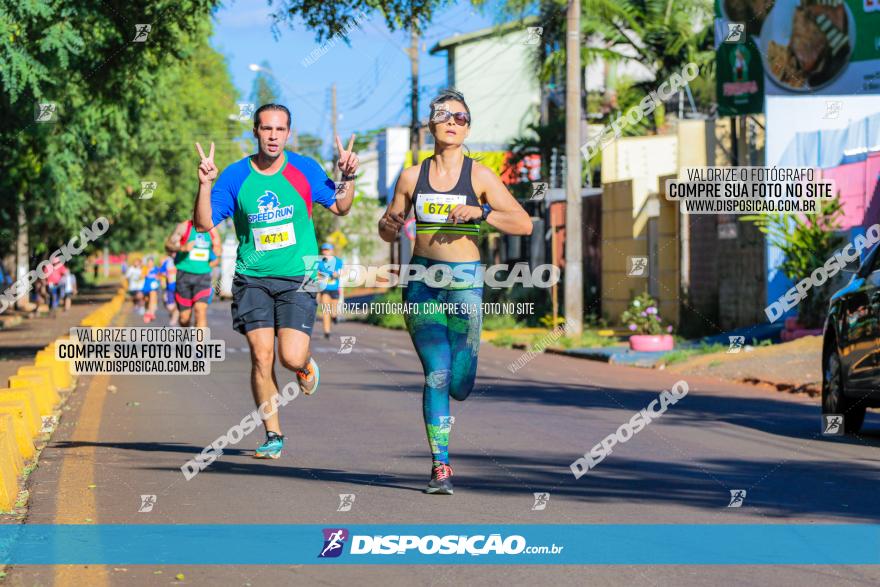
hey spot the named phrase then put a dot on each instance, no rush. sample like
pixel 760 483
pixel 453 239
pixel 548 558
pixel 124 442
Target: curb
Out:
pixel 30 406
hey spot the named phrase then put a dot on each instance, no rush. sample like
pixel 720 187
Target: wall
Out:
pixel 393 147
pixel 632 169
pixel 501 91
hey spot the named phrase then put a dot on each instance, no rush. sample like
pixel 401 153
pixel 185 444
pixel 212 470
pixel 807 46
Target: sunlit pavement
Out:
pixel 362 434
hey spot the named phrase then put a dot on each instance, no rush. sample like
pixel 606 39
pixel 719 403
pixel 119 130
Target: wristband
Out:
pixel 486 210
pixel 351 177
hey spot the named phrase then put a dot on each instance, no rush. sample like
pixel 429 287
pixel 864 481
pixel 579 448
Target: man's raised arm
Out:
pixel 202 219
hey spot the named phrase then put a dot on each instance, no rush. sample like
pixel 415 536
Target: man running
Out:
pixel 135 276
pixel 198 252
pixel 328 276
pixel 151 289
pixel 270 196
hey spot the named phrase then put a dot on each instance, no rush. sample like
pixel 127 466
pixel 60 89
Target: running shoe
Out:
pixel 309 377
pixel 440 483
pixel 271 449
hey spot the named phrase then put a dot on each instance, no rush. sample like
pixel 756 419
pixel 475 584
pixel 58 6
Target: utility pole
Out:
pixel 400 254
pixel 333 125
pixel 574 288
pixel 414 142
pixel 294 137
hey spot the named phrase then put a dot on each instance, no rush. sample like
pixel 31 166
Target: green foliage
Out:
pixel 127 112
pixel 662 35
pixel 806 242
pixel 547 321
pixel 326 19
pixel 394 321
pixel 589 339
pixel 679 355
pixel 265 88
pixel 642 316
pixel 359 227
pixel 500 322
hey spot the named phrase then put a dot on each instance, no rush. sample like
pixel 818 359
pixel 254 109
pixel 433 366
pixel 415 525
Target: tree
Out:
pixel 662 35
pixel 265 88
pixel 806 243
pixel 125 112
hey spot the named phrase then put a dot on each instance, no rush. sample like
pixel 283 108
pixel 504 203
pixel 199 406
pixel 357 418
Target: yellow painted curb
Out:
pixel 102 317
pixel 19 400
pixel 8 446
pixel 39 390
pixel 10 465
pixel 32 387
pixel 20 427
pixel 46 358
pixel 48 380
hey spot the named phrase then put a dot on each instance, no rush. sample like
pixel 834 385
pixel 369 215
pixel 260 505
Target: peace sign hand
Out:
pixel 207 169
pixel 348 161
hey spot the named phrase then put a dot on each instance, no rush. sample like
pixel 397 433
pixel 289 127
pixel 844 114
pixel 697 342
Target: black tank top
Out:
pixel 432 207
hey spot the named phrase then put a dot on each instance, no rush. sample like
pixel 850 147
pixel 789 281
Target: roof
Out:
pixel 495 31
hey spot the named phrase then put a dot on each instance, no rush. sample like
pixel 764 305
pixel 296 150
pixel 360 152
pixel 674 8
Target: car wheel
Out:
pixel 833 399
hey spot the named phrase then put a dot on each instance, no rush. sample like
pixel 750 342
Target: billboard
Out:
pixel 795 47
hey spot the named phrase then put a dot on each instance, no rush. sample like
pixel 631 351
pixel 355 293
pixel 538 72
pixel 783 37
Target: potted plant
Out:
pixel 642 318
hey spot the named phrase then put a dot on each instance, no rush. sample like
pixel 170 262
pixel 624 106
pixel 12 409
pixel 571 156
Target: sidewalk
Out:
pixel 790 366
pixel 794 366
pixel 20 343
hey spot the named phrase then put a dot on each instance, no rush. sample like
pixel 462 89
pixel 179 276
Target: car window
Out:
pixel 871 263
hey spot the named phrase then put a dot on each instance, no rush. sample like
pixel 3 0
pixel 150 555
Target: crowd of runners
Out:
pixel 276 290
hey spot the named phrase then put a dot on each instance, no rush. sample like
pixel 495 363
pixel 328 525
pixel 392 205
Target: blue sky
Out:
pixel 372 75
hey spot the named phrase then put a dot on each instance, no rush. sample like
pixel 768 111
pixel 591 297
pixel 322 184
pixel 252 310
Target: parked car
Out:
pixel 851 347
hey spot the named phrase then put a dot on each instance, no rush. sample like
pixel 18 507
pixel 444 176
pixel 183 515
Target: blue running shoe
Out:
pixel 271 449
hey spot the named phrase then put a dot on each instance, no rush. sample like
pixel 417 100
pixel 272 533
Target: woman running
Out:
pixel 451 195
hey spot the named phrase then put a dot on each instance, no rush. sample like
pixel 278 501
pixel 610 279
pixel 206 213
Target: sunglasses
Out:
pixel 461 118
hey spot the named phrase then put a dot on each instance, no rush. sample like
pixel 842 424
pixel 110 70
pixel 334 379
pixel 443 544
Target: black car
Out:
pixel 851 347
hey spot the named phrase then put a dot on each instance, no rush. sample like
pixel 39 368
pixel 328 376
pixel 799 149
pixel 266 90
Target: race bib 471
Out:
pixel 274 237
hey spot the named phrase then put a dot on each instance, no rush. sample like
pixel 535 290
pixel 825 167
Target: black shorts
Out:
pixel 333 293
pixel 272 302
pixel 191 288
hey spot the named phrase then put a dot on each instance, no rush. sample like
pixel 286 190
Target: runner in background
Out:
pixel 151 289
pixel 69 288
pixel 168 271
pixel 197 253
pixel 329 268
pixel 56 288
pixel 135 278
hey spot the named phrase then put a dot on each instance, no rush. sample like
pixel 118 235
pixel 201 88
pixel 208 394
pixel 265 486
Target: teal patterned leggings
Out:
pixel 444 324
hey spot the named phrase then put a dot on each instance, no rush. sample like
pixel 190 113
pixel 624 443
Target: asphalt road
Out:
pixel 362 434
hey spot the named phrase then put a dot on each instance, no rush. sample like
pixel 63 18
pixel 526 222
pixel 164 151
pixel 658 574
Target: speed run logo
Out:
pixel 270 209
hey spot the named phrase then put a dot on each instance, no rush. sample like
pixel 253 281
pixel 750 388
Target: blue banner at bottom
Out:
pixel 523 544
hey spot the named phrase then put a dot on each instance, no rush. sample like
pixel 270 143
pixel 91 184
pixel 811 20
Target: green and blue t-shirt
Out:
pixel 198 260
pixel 273 214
